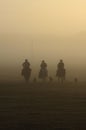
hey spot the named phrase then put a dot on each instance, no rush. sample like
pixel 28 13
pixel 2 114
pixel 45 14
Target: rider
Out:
pixel 26 64
pixel 60 65
pixel 26 71
pixel 43 71
pixel 43 65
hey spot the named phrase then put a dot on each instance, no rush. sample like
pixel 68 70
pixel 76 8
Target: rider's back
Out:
pixel 26 65
pixel 61 65
pixel 43 65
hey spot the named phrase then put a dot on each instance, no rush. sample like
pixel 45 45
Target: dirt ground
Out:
pixel 43 106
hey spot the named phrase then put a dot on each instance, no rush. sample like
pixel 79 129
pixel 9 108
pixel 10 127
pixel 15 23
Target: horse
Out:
pixel 26 72
pixel 43 74
pixel 61 75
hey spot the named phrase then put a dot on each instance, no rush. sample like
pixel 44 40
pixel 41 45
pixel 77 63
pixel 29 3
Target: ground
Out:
pixel 43 106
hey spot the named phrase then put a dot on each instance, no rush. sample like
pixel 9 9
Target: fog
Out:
pixel 37 30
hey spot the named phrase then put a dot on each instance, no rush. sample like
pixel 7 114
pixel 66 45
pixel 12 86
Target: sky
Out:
pixel 42 16
pixel 42 29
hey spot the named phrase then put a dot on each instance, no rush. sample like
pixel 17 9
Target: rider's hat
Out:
pixel 61 60
pixel 26 60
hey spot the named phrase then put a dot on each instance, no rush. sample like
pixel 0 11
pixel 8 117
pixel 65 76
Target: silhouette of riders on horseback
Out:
pixel 60 71
pixel 43 74
pixel 26 71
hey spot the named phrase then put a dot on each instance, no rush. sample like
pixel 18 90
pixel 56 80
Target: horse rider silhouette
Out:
pixel 26 71
pixel 61 71
pixel 43 71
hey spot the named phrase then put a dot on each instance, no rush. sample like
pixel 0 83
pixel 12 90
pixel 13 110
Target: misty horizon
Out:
pixel 38 50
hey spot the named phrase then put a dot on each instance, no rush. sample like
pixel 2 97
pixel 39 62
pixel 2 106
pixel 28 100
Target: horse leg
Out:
pixel 62 80
pixel 26 80
pixel 58 79
pixel 44 80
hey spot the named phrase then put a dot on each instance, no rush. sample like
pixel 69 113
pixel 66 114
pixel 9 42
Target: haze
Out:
pixel 42 29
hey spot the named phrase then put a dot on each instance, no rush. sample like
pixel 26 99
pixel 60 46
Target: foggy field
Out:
pixel 33 32
pixel 42 106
